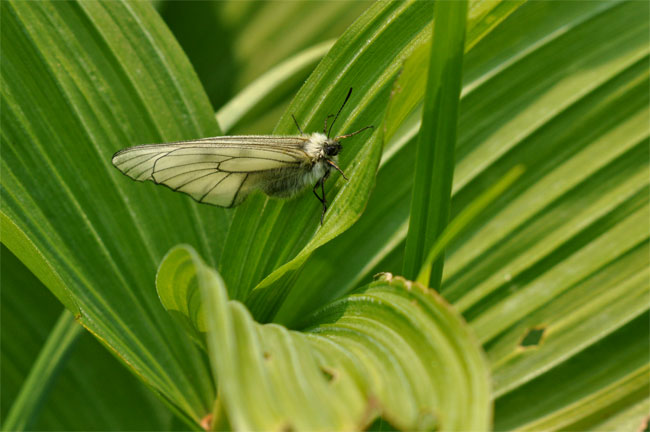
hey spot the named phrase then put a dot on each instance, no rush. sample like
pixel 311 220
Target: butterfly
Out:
pixel 224 170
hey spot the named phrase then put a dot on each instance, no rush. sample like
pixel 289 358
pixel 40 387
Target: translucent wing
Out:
pixel 220 171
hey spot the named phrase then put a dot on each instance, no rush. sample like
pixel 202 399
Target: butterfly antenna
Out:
pixel 337 114
pixel 297 125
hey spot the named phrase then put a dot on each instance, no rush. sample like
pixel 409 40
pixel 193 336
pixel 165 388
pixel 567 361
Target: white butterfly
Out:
pixel 223 170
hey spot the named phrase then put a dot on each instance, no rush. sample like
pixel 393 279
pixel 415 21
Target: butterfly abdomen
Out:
pixel 285 183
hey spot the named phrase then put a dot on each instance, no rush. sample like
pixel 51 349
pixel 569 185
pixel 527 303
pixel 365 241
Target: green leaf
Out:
pixel 16 240
pixel 69 399
pixel 261 221
pixel 596 391
pixel 392 348
pixel 271 31
pixel 469 213
pixel 34 389
pixel 579 215
pixel 103 236
pixel 101 77
pixel 434 168
pixel 385 220
pixel 563 89
pixel 178 290
pixel 560 87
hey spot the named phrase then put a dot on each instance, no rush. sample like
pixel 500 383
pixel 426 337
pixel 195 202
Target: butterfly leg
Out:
pixel 321 199
pixel 322 191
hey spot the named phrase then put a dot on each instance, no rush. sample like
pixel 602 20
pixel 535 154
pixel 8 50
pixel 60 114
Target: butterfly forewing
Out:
pixel 220 171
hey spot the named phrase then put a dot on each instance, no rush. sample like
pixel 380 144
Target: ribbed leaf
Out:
pixel 551 277
pixel 69 396
pixel 385 221
pixel 564 90
pixel 392 348
pixel 108 75
pixel 261 222
pixel 101 77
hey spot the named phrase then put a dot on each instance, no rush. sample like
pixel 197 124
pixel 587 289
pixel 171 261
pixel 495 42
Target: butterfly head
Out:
pixel 332 147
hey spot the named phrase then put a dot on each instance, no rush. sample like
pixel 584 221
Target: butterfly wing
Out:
pixel 221 171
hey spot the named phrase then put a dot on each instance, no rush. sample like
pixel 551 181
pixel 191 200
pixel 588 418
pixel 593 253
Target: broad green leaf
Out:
pixel 80 81
pixel 355 61
pixel 103 235
pixel 631 416
pixel 594 390
pixel 385 211
pixel 70 400
pixel 434 166
pixel 562 88
pixel 392 348
pixel 261 221
pixel 385 221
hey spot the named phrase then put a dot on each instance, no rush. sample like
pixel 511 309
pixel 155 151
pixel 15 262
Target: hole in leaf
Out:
pixel 532 337
pixel 287 428
pixel 329 374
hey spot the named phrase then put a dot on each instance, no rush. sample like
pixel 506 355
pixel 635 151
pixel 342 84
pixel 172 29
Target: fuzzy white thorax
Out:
pixel 315 149
pixel 315 146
